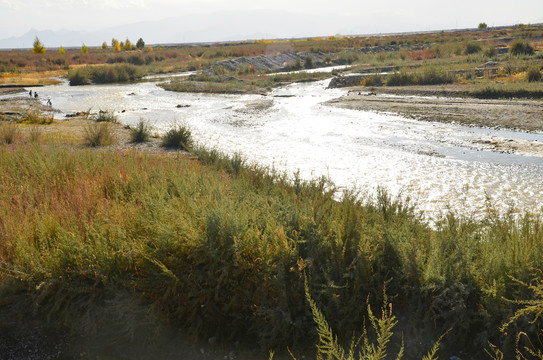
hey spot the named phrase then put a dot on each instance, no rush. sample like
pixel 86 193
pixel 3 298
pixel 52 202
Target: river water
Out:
pixel 438 165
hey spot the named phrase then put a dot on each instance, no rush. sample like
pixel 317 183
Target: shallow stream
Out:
pixel 439 165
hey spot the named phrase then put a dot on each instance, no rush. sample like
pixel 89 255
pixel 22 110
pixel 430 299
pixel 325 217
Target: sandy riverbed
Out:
pixel 518 115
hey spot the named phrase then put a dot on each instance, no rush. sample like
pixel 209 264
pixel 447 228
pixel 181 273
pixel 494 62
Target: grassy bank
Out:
pixel 226 84
pixel 125 247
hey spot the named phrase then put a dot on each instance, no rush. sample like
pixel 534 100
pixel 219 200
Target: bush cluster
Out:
pixel 472 47
pixel 140 133
pixel 521 47
pixel 98 134
pixel 179 137
pixel 105 74
pixel 429 76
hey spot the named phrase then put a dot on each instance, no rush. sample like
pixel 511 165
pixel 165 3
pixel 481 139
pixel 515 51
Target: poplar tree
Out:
pixel 38 46
pixel 140 44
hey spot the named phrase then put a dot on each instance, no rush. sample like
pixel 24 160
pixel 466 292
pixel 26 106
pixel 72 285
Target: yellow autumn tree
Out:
pixel 61 51
pixel 38 47
pixel 84 49
pixel 117 46
pixel 128 45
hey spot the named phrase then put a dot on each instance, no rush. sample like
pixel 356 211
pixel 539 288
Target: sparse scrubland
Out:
pixel 118 252
pixel 455 58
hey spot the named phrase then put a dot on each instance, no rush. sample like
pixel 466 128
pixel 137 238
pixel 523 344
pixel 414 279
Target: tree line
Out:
pixel 39 48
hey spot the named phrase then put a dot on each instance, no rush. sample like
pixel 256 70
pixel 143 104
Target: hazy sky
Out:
pixel 19 16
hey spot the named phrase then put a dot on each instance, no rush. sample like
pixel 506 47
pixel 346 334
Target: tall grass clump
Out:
pixel 8 133
pixel 106 116
pixel 533 74
pixel 141 132
pixel 96 134
pixel 35 133
pixel 178 137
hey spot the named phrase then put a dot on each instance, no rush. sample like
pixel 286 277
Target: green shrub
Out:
pixel 141 132
pixel 429 76
pixel 179 137
pixel 495 92
pixel 534 74
pixel 521 47
pixel 96 134
pixel 308 62
pixel 115 73
pixel 296 65
pixel 472 48
pixel 432 76
pixel 79 77
pixel 399 78
pixel 105 74
pixel 245 69
pixel 373 80
pixel 329 348
pixel 136 60
pixel 349 57
pixel 220 70
pixel 490 51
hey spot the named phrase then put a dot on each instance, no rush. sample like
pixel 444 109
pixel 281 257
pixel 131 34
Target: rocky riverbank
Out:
pixel 291 61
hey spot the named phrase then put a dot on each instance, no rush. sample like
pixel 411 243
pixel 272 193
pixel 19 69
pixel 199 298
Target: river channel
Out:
pixel 438 165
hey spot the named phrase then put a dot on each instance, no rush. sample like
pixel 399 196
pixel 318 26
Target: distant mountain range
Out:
pixel 224 26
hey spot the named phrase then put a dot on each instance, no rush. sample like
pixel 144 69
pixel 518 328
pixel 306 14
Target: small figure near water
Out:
pixel 35 94
pixel 49 103
pixel 30 93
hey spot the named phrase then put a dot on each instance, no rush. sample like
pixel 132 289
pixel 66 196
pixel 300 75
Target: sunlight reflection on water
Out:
pixel 436 164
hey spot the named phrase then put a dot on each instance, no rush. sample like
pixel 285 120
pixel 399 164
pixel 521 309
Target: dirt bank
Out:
pixel 519 115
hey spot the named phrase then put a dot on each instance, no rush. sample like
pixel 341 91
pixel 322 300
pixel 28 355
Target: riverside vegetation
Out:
pixel 127 250
pixel 450 59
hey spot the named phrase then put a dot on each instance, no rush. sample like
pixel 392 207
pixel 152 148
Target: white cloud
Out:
pixel 12 5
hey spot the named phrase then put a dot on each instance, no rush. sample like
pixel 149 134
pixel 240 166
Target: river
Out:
pixel 438 165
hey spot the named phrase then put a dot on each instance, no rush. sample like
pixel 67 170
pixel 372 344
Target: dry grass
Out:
pixel 31 78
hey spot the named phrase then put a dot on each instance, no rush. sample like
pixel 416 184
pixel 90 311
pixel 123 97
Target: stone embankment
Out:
pixel 294 61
